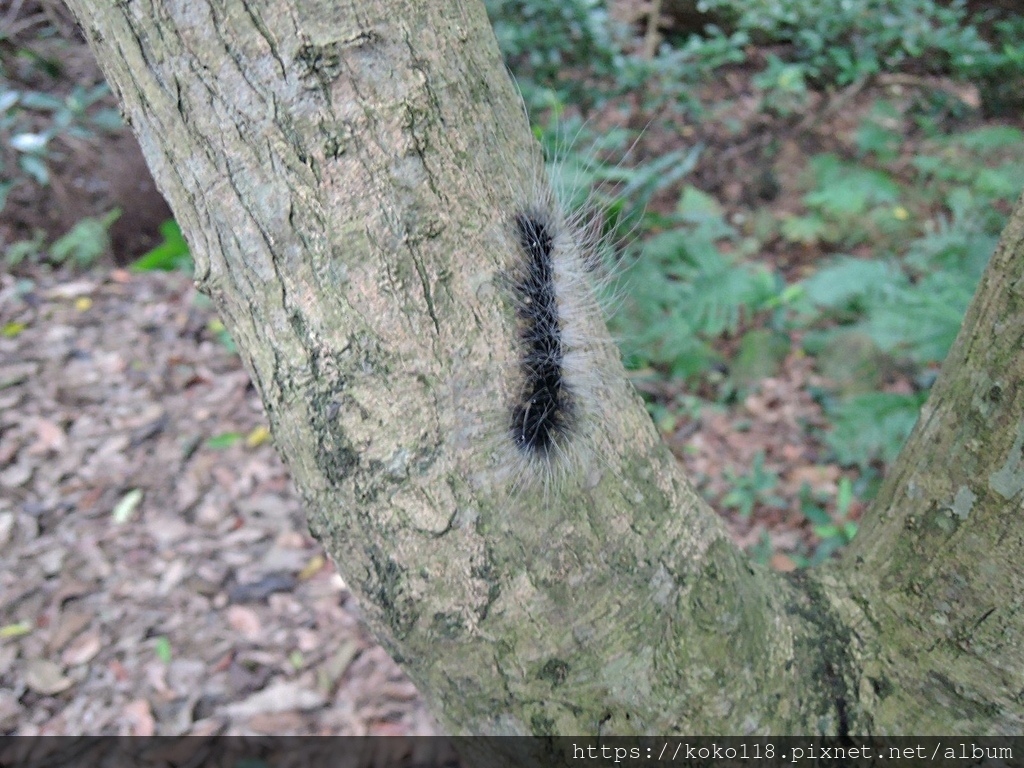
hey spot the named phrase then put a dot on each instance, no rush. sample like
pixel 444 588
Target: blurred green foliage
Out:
pixel 81 246
pixel 41 115
pixel 171 253
pixel 549 39
pixel 754 487
pixel 685 290
pixel 30 121
pixel 853 39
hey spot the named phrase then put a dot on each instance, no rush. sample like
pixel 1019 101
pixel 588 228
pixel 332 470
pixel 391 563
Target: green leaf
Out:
pixel 991 137
pixel 872 427
pixel 163 649
pixel 804 229
pixel 812 510
pixel 86 241
pixel 878 134
pixel 921 321
pixel 826 531
pixel 32 143
pixel 41 101
pixel 35 167
pixel 844 497
pixel 25 249
pixel 695 204
pixel 170 254
pixel 845 190
pixel 8 99
pixel 1002 183
pixel 224 440
pixel 940 168
pixel 107 119
pixel 15 630
pixel 94 94
pixel 847 280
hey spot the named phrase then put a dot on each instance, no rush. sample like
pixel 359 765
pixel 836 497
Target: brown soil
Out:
pixel 202 607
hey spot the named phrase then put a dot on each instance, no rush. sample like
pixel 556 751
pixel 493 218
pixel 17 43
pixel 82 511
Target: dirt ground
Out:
pixel 156 573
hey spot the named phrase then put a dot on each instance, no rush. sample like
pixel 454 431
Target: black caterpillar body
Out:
pixel 545 410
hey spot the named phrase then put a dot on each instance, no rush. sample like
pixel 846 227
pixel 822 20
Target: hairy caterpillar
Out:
pixel 564 356
pixel 544 412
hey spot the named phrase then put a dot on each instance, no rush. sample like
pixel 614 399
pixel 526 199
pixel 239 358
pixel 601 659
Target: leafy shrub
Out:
pixel 848 203
pixel 543 40
pixel 41 118
pixel 671 78
pixel 33 124
pixel 872 426
pixel 571 52
pixel 755 488
pixel 835 530
pixel 787 85
pixel 685 290
pixel 1000 72
pixel 853 39
pixel 909 301
pixel 81 246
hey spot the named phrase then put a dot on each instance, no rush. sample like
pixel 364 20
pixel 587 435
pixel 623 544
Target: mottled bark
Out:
pixel 341 171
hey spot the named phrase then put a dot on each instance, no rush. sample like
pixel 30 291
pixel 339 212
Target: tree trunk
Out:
pixel 344 173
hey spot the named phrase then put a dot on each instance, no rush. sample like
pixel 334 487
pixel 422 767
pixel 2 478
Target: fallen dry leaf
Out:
pixel 783 563
pixel 10 711
pixel 82 649
pixel 117 669
pixel 244 620
pixel 315 564
pixel 46 677
pixel 280 696
pixel 69 625
pixel 275 722
pixel 70 290
pixel 140 718
pixel 122 398
pixel 49 437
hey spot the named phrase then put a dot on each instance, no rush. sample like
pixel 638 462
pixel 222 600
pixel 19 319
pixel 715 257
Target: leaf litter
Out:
pixel 155 577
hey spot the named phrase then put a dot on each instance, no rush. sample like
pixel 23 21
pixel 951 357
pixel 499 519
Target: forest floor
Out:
pixel 157 574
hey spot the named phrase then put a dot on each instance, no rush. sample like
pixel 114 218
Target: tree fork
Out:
pixel 337 169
